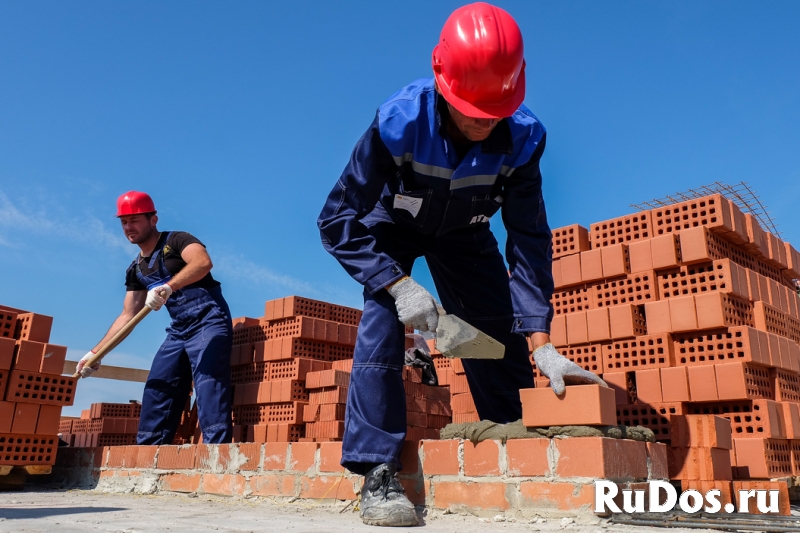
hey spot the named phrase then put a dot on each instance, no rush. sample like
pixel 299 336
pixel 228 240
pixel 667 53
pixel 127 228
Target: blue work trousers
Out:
pixel 472 282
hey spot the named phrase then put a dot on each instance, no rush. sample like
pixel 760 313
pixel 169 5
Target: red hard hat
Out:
pixel 479 64
pixel 135 203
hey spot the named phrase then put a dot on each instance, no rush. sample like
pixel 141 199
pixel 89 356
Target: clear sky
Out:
pixel 238 117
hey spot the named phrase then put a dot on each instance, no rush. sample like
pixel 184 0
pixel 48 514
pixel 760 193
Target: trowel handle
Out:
pixel 114 341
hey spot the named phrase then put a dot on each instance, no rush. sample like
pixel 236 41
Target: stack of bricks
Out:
pixel 291 369
pixel 689 309
pixel 103 424
pixel 451 373
pixel 427 407
pixel 32 387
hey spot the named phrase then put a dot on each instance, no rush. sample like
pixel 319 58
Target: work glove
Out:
pixel 86 371
pixel 157 296
pixel 560 370
pixel 416 307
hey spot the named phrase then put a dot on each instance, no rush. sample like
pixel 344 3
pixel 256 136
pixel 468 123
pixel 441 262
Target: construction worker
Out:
pixel 174 269
pixel 440 158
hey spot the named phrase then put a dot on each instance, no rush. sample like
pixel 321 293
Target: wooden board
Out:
pixel 36 470
pixel 112 372
pixel 5 469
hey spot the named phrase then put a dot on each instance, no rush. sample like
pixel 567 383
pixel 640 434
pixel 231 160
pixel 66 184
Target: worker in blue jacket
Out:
pixel 440 158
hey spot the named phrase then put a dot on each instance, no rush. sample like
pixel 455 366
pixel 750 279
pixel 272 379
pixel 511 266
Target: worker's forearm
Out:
pixel 121 320
pixel 191 273
pixel 539 339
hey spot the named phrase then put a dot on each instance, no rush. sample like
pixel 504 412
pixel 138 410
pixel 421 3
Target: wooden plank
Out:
pixel 119 373
pixel 5 469
pixel 36 470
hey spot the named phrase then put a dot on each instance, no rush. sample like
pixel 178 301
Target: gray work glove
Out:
pixel 560 370
pixel 415 306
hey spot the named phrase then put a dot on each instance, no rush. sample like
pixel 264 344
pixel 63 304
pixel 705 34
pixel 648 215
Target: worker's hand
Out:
pixel 157 296
pixel 86 371
pixel 560 370
pixel 415 306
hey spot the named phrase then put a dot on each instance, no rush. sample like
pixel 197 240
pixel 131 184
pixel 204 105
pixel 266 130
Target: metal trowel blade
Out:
pixel 457 339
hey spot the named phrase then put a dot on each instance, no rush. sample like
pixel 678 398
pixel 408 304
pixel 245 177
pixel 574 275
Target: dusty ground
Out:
pixel 84 511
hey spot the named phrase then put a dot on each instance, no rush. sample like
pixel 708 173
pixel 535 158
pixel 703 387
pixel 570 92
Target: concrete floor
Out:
pixel 34 511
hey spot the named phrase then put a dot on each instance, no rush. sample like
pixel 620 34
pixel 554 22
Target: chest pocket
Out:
pixel 411 206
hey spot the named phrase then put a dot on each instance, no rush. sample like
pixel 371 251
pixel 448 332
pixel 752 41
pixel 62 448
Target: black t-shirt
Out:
pixel 171 248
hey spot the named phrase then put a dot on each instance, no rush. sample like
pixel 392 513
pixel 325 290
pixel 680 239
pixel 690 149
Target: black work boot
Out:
pixel 383 499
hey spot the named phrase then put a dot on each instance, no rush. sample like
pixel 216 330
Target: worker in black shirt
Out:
pixel 174 269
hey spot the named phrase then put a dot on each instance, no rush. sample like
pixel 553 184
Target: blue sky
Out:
pixel 239 117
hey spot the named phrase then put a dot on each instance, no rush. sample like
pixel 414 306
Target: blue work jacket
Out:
pixel 405 170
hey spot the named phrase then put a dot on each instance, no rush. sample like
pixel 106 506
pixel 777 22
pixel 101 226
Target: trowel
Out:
pixel 458 340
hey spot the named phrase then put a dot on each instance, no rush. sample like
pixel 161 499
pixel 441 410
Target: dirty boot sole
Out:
pixel 390 516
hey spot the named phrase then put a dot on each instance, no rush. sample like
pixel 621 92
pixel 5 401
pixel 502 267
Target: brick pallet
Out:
pixel 32 390
pixel 103 424
pixel 690 313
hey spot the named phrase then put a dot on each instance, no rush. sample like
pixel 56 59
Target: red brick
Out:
pixel 702 431
pixel 640 256
pixel 615 260
pixel 571 270
pixel 648 386
pixel 683 316
pixel 558 331
pixel 180 482
pixel 224 484
pixel 657 453
pixel 563 496
pixel 601 457
pixel 591 265
pixel 791 419
pixel 665 252
pixel 579 405
pixel 724 487
pixel 741 381
pixel 763 458
pixel 29 356
pixel 658 317
pixel 705 464
pixel 599 328
pixel 273 485
pixel 577 328
pixel 303 455
pixel 326 487
pixel 675 384
pixel 784 507
pixel 145 456
pixel 53 359
pixel 176 457
pixel 570 240
pixel 694 245
pixel 482 459
pixel 7 347
pixel 448 495
pixel 25 417
pixel 758 239
pixel 558 281
pixel 527 457
pixel 440 457
pixel 6 416
pixel 49 418
pixel 330 455
pixel 626 321
pixel 621 383
pixel 702 383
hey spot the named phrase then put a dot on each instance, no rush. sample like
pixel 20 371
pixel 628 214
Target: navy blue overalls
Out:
pixel 197 347
pixel 406 193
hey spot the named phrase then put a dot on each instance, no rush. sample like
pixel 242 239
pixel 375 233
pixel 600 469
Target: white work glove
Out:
pixel 86 371
pixel 415 306
pixel 157 296
pixel 560 370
